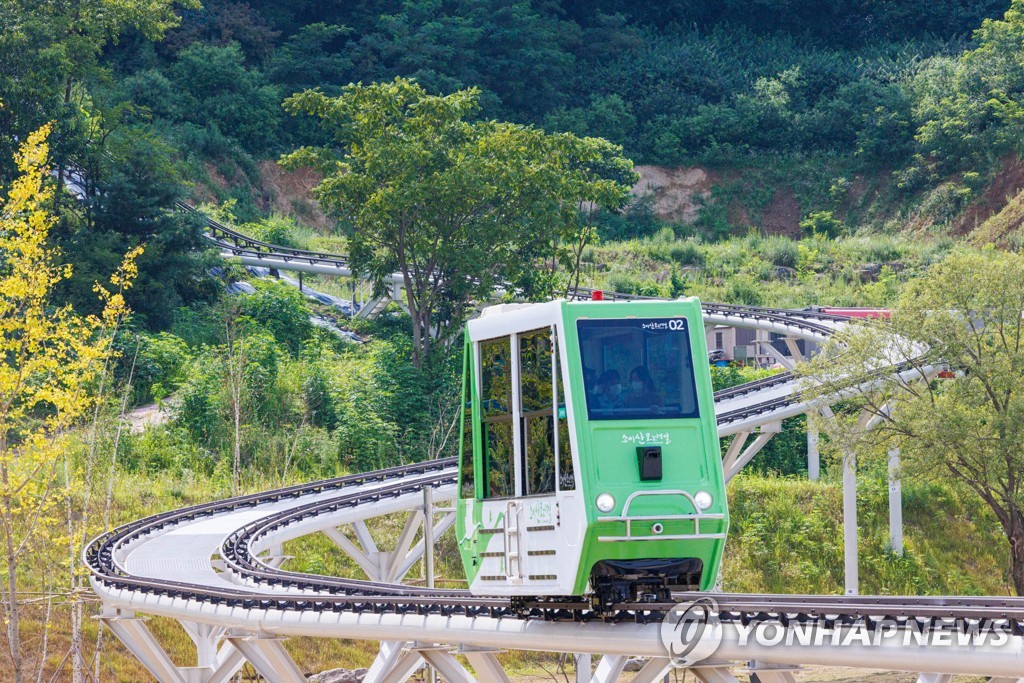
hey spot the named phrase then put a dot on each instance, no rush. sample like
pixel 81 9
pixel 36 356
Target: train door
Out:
pixel 527 460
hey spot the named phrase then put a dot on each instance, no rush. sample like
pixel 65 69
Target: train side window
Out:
pixel 537 405
pixel 466 471
pixel 496 410
pixel 566 475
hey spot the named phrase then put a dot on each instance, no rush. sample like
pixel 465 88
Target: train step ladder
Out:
pixel 513 543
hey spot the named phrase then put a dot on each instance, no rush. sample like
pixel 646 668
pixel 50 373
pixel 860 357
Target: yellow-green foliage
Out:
pixel 787 537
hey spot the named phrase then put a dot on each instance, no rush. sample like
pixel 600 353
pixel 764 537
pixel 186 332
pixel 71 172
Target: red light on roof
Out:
pixel 597 295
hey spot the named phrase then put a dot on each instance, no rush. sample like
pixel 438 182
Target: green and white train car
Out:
pixel 590 462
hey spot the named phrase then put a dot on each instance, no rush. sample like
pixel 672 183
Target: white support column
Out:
pixel 428 535
pixel 364 537
pixel 739 440
pixel 793 345
pixel 609 669
pixel 934 678
pixel 392 562
pixel 405 667
pixel 813 455
pixel 779 358
pixel 385 566
pixel 387 657
pixel 268 656
pixel 487 667
pixel 655 669
pixel 366 562
pixel 583 664
pixel 895 503
pixel 850 551
pixel 736 461
pixel 416 553
pixel 716 672
pixel 136 636
pixel 448 666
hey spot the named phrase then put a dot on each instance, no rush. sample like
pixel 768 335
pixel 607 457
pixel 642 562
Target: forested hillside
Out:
pixel 877 114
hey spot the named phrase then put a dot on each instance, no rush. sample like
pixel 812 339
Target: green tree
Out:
pixel 457 207
pixel 967 313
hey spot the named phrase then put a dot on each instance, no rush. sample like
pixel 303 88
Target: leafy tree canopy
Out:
pixel 967 313
pixel 457 206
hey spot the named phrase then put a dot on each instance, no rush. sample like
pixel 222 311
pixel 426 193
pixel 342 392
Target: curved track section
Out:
pixel 216 569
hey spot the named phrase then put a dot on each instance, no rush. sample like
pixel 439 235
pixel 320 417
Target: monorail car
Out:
pixel 590 461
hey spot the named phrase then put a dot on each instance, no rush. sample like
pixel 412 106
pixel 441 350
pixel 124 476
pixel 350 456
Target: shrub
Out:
pixel 686 253
pixel 780 251
pixel 822 223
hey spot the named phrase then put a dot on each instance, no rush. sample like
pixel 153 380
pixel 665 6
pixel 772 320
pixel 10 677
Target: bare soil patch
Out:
pixel 782 215
pixel 1008 183
pixel 678 191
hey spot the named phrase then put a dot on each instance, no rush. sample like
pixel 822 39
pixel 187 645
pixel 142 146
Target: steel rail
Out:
pixel 328 594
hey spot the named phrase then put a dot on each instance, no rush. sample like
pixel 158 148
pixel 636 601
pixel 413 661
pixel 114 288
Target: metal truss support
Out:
pixel 268 656
pixel 737 457
pixel 372 308
pixel 136 636
pixel 713 672
pixel 793 346
pixel 609 669
pixel 215 663
pixel 771 673
pixel 440 526
pixel 441 659
pixel 275 557
pixel 655 669
pixel 486 665
pixel 388 656
pixel 780 358
pixel 392 566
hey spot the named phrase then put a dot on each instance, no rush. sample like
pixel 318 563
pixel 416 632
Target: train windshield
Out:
pixel 638 369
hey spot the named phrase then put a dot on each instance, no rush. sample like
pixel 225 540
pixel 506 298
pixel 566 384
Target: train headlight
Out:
pixel 703 500
pixel 605 502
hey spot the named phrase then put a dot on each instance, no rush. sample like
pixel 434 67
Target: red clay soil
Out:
pixel 782 215
pixel 289 193
pixel 1008 184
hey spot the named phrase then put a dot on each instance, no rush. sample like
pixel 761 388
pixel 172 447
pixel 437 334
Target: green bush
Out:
pixel 687 252
pixel 281 310
pixel 822 224
pixel 780 251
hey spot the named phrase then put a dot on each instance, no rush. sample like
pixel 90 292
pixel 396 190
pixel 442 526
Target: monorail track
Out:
pixel 225 593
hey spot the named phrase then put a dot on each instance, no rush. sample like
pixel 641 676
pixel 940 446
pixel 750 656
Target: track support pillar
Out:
pixel 136 636
pixel 609 669
pixel 895 503
pixel 654 670
pixel 487 667
pixel 713 672
pixel 268 656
